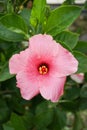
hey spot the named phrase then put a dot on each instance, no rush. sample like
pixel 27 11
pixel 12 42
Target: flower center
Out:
pixel 43 69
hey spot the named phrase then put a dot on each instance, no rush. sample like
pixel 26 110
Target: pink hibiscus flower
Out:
pixel 42 68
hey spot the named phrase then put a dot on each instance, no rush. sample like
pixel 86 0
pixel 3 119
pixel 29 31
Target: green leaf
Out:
pixel 81 46
pixel 13 28
pixel 78 123
pixel 83 92
pixel 4 111
pixel 44 115
pixel 9 35
pixel 72 93
pixel 59 119
pixel 85 76
pixel 14 22
pixel 38 12
pixel 83 104
pixel 28 120
pixel 68 2
pixel 17 122
pixel 25 14
pixel 69 38
pixel 6 127
pixel 85 4
pixel 1 128
pixel 16 105
pixel 61 18
pixel 4 73
pixel 1 14
pixel 82 59
pixel 69 105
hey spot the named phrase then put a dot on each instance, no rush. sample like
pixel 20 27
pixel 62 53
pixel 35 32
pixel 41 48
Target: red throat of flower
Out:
pixel 43 69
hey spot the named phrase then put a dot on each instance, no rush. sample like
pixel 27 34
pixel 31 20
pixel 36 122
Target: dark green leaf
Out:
pixel 83 92
pixel 61 18
pixel 28 120
pixel 85 4
pixel 82 59
pixel 15 104
pixel 69 38
pixel 4 73
pixel 1 128
pixel 1 15
pixel 14 22
pixel 17 122
pixel 59 119
pixel 44 114
pixel 4 111
pixel 25 13
pixel 48 11
pixel 85 76
pixel 81 46
pixel 6 127
pixel 72 93
pixel 9 35
pixel 13 28
pixel 69 105
pixel 83 104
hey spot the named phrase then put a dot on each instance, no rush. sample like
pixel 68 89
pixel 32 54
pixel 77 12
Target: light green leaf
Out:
pixel 82 59
pixel 61 18
pixel 38 12
pixel 69 38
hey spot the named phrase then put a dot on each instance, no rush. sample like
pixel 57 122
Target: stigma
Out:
pixel 43 69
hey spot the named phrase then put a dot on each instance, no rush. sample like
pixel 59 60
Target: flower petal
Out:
pixel 79 78
pixel 65 63
pixel 43 45
pixel 18 61
pixel 28 88
pixel 53 89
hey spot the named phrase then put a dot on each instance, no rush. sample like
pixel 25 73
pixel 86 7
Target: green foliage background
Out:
pixel 18 22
